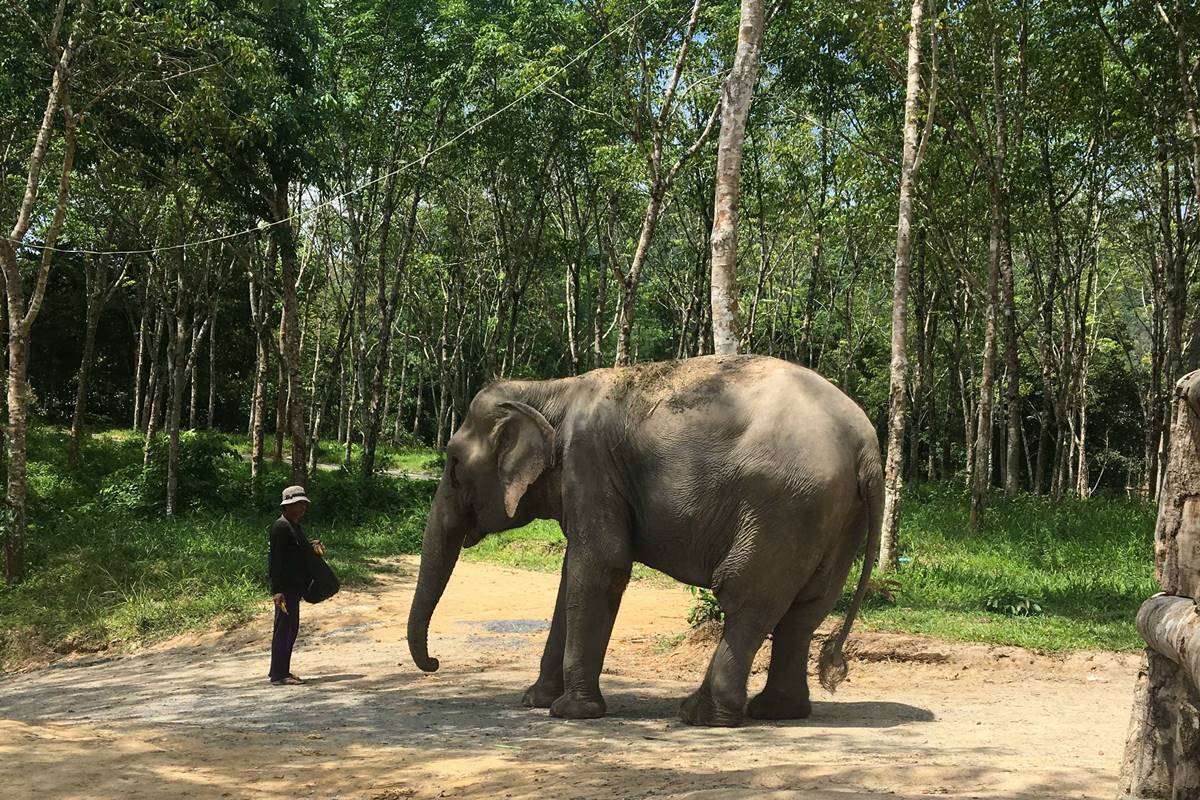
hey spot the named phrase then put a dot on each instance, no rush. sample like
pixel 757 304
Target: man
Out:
pixel 289 577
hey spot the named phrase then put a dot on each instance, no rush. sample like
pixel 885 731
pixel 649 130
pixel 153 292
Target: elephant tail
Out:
pixel 831 666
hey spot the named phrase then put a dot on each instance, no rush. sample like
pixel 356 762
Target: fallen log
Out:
pixel 1171 626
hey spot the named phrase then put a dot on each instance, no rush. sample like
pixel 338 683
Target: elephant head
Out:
pixel 502 450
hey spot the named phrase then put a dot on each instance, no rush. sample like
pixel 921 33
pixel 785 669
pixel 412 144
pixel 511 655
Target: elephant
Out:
pixel 749 475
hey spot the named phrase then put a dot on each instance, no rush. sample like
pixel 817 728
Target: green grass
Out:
pixel 539 546
pixel 387 457
pixel 1087 563
pixel 107 569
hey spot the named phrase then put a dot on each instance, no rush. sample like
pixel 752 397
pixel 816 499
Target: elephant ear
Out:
pixel 524 447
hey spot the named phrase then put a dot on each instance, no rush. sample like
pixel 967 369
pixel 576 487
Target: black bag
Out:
pixel 322 583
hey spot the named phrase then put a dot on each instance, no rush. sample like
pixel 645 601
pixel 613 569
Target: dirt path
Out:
pixel 197 718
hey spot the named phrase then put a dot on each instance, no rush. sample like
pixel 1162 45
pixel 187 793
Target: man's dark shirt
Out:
pixel 286 561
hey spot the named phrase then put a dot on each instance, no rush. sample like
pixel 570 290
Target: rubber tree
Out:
pixel 910 162
pixel 736 96
pixel 101 285
pixel 659 179
pixel 23 312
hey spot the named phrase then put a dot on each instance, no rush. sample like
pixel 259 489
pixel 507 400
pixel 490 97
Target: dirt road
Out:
pixel 196 717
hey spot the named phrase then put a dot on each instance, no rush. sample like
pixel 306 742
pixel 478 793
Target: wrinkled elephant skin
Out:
pixel 746 474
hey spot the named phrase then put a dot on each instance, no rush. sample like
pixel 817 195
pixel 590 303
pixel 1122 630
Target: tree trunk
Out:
pixel 1082 476
pixel 400 396
pixel 192 371
pixel 815 256
pixel 598 314
pixel 156 344
pixel 982 472
pixel 341 417
pixel 85 372
pixel 1012 366
pixel 260 309
pixel 897 383
pixel 443 404
pixel 22 317
pixel 18 404
pixel 258 412
pixel 289 333
pixel 922 401
pixel 155 422
pixel 1162 752
pixel 571 295
pixel 1045 354
pixel 212 369
pixel 280 405
pixel 140 352
pixel 388 300
pixel 178 363
pixel 349 411
pixel 735 109
pixel 416 423
pixel 629 281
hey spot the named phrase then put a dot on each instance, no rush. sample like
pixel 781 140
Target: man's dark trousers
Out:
pixel 287 626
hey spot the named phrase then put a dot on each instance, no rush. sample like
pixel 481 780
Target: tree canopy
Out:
pixel 341 219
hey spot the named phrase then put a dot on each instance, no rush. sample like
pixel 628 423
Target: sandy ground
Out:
pixel 197 718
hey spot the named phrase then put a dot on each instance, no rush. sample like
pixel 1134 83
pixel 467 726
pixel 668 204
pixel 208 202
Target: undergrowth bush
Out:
pixel 705 607
pixel 107 568
pixel 206 463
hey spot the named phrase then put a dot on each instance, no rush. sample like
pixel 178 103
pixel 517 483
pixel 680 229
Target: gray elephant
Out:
pixel 750 475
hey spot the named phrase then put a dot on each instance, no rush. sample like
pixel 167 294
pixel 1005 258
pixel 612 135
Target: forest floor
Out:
pixel 195 716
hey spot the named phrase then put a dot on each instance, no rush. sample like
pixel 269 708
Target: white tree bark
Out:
pixel 736 96
pixel 981 473
pixel 909 164
pixel 21 315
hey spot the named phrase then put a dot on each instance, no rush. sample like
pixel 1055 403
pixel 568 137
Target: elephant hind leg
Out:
pixel 721 699
pixel 786 694
pixel 755 588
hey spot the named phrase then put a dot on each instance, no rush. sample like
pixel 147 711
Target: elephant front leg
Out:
pixel 549 685
pixel 595 585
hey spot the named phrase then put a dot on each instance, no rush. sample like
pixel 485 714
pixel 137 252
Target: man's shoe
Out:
pixel 290 680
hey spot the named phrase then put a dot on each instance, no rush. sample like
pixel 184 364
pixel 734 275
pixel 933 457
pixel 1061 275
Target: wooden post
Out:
pixel 1162 754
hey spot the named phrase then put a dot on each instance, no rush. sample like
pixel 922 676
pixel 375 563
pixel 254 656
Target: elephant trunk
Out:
pixel 439 553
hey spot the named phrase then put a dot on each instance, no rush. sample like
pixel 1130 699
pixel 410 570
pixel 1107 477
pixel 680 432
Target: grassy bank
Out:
pixel 108 569
pixel 1049 576
pixel 1086 564
pixel 387 457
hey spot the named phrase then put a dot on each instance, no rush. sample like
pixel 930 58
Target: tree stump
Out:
pixel 1162 754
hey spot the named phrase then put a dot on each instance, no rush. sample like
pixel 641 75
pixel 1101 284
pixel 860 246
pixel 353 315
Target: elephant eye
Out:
pixel 453 471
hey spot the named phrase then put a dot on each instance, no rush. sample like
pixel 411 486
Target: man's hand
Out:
pixel 278 598
pixel 318 548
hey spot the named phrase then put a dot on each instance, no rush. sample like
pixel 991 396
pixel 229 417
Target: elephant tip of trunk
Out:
pixel 427 664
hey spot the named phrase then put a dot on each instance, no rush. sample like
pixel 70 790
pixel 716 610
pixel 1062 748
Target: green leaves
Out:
pixel 1011 604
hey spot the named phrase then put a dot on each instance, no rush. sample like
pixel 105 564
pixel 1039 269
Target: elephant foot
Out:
pixel 776 705
pixel 541 695
pixel 567 707
pixel 699 708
